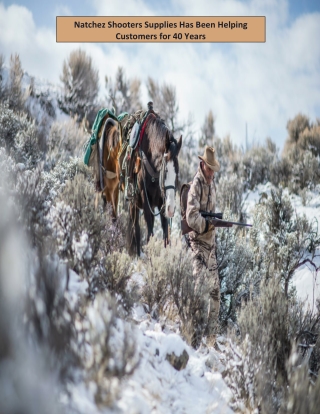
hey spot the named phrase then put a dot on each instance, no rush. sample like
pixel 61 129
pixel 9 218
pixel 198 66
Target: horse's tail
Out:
pixel 133 235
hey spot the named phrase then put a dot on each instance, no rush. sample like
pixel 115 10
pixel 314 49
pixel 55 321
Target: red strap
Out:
pixel 143 128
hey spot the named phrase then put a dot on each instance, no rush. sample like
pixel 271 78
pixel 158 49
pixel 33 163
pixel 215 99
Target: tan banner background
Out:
pixel 161 29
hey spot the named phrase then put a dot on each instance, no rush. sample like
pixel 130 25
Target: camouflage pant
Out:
pixel 205 273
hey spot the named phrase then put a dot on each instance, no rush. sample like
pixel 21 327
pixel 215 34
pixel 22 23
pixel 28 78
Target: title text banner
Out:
pixel 161 29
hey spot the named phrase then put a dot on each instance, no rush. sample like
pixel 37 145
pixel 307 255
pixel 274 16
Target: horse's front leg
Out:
pixel 114 197
pixel 109 193
pixel 149 217
pixel 133 235
pixel 165 229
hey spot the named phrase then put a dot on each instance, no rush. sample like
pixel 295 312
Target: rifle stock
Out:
pixel 185 227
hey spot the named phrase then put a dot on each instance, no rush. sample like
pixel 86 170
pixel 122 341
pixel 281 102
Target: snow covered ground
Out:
pixel 156 386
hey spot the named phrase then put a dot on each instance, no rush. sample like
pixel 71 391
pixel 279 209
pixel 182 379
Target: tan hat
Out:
pixel 209 158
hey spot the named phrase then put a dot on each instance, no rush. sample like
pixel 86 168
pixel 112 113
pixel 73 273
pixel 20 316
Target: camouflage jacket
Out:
pixel 201 196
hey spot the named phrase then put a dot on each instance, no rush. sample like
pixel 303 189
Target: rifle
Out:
pixel 215 218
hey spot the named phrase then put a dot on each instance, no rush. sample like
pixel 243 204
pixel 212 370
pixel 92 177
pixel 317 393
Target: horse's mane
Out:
pixel 161 141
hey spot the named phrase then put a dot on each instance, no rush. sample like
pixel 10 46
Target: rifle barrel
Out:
pixel 218 216
pixel 232 222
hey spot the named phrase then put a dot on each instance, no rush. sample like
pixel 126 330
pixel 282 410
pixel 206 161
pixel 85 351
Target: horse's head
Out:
pixel 169 172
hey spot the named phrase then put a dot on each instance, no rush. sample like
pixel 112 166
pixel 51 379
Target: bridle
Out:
pixel 164 171
pixel 163 175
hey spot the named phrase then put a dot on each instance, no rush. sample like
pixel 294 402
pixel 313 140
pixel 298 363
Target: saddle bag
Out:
pixel 184 198
pixel 134 135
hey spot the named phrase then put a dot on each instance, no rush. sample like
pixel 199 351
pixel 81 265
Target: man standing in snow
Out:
pixel 202 197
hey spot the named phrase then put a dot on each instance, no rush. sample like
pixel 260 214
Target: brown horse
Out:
pixel 107 171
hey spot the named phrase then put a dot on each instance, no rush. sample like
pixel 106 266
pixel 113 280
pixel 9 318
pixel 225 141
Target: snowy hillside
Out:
pixel 156 386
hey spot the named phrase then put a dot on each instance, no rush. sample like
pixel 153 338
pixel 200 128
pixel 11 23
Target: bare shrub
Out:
pixel 281 172
pixel 66 139
pixel 267 369
pixel 272 322
pixel 27 146
pixel 55 180
pixel 83 235
pixel 189 295
pixel 265 347
pixel 123 93
pixel 266 322
pixel 239 374
pixel 283 239
pixel 229 157
pixel 302 396
pixel 257 164
pixel 170 290
pixel 313 340
pixel 230 195
pixel 116 269
pixel 296 126
pixel 10 124
pixel 26 196
pixel 30 198
pixel 207 132
pixel 302 149
pixel 305 196
pixel 45 100
pixel 235 261
pixel 78 228
pixel 81 84
pixel 155 289
pixel 309 140
pixel 14 94
pixel 305 169
pixel 20 137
